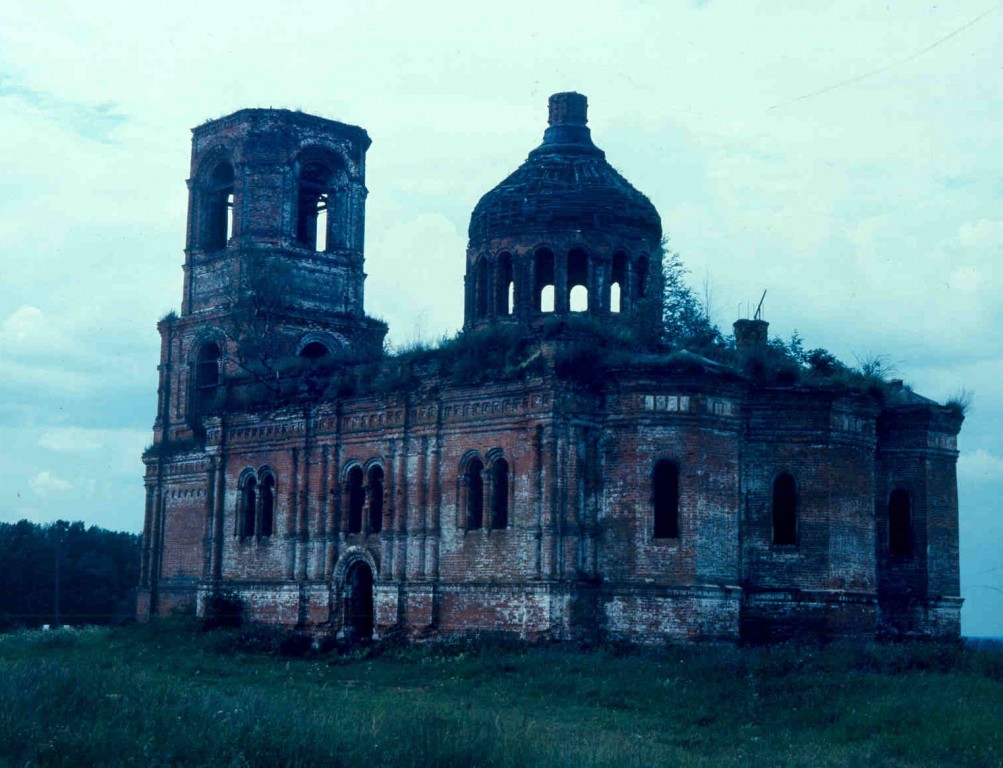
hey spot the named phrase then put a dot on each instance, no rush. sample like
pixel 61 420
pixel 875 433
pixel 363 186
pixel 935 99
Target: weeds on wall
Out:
pixel 578 347
pixel 960 402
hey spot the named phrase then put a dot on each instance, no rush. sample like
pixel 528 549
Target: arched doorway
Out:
pixel 359 602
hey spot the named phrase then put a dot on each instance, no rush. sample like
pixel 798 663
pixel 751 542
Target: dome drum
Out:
pixel 562 277
pixel 564 233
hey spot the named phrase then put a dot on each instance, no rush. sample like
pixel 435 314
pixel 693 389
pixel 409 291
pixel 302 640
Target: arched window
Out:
pixel 376 498
pixel 578 280
pixel 315 350
pixel 218 208
pixel 475 494
pixel 543 284
pixel 250 506
pixel 267 505
pixel 206 375
pixel 665 500
pixel 499 494
pixel 785 510
pixel 356 499
pixel 481 287
pixel 504 286
pixel 900 523
pixel 617 280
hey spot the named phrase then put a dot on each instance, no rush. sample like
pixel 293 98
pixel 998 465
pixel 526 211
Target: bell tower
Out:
pixel 276 194
pixel 274 264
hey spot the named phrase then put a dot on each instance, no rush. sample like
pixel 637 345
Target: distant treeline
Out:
pixel 66 573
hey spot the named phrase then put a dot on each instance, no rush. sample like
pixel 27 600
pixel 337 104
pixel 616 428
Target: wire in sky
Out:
pixel 886 67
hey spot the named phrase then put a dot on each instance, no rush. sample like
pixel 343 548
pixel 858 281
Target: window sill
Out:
pixel 785 549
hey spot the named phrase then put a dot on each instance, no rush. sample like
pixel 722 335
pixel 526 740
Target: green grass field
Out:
pixel 174 696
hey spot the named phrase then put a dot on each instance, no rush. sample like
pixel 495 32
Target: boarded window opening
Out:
pixel 900 523
pixel 543 286
pixel 785 516
pixel 250 506
pixel 475 494
pixel 376 499
pixel 665 497
pixel 356 499
pixel 499 494
pixel 267 505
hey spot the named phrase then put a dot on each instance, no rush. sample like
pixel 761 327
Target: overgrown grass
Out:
pixel 175 696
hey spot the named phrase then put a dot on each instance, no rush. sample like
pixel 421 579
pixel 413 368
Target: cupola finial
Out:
pixel 568 108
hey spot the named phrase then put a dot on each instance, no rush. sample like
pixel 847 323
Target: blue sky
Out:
pixel 871 211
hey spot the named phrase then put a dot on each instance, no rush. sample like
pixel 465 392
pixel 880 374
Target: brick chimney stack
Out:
pixel 567 125
pixel 568 108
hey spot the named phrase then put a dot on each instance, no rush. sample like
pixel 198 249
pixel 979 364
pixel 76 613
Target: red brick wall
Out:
pixel 580 512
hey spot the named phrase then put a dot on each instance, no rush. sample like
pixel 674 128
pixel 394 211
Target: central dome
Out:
pixel 565 184
pixel 564 233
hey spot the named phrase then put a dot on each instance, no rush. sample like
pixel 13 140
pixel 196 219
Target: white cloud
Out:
pixel 115 450
pixel 980 465
pixel 22 326
pixel 46 484
pixel 981 234
pixel 71 440
pixel 416 278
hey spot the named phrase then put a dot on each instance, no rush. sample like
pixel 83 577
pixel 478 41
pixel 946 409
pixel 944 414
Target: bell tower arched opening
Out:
pixel 217 211
pixel 312 222
pixel 543 288
pixel 578 281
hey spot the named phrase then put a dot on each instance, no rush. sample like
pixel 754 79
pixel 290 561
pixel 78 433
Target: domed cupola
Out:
pixel 564 233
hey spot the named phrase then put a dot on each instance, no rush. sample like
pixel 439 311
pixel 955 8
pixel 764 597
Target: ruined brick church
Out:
pixel 343 491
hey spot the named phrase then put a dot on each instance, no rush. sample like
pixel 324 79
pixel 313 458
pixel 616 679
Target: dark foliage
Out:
pixel 223 610
pixel 296 645
pixel 97 574
pixel 686 319
pixel 584 348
